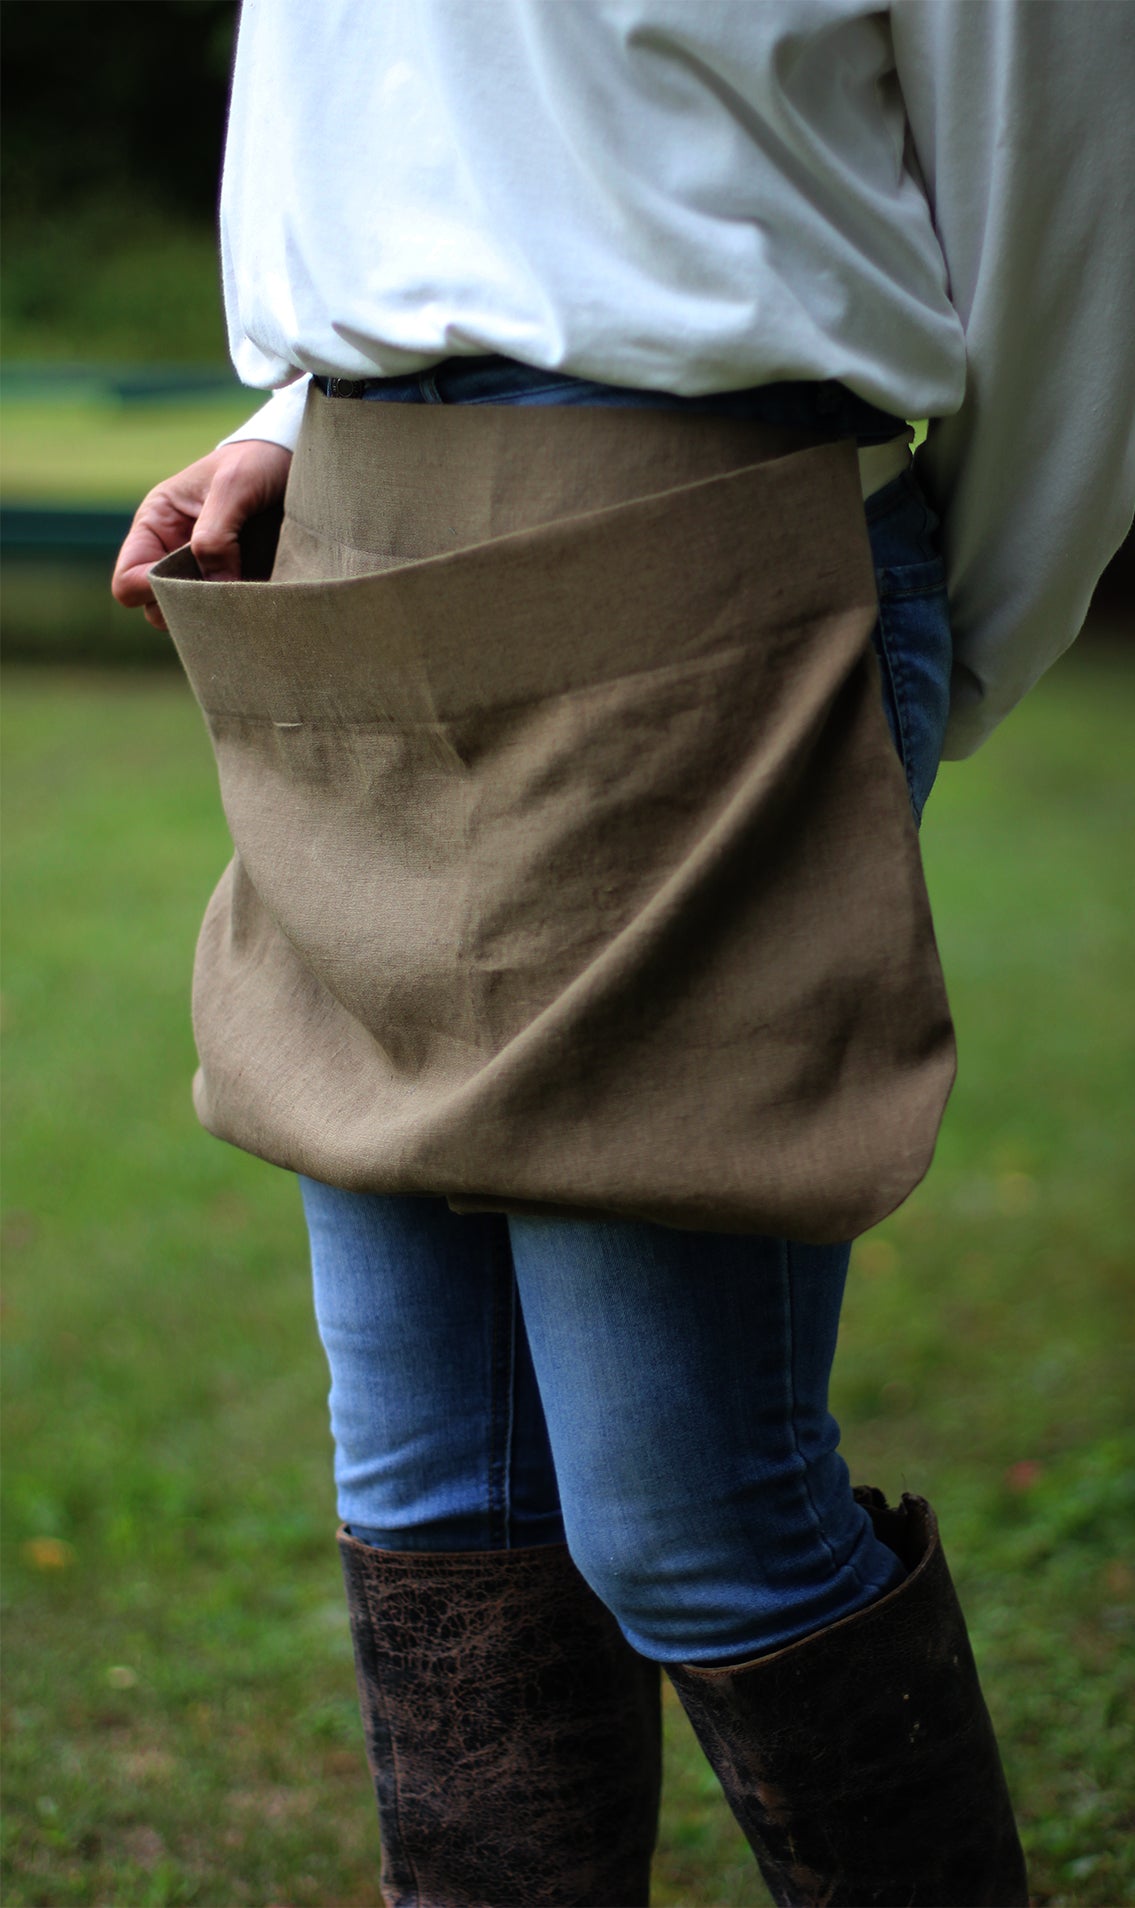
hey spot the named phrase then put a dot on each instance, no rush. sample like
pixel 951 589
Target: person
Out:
pixel 574 950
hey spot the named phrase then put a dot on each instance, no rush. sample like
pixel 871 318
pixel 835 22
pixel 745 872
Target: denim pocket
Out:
pixel 912 637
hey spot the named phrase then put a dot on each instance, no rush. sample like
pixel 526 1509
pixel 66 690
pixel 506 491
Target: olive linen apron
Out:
pixel 574 865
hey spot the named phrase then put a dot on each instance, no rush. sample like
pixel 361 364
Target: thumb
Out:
pixel 215 541
pixel 248 476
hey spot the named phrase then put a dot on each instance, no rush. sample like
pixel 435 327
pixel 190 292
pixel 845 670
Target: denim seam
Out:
pixel 817 1520
pixel 931 580
pixel 901 690
pixel 900 680
pixel 500 1401
pixel 914 595
pixel 892 664
pixel 509 1454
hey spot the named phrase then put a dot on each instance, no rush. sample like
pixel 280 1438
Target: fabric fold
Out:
pixel 575 869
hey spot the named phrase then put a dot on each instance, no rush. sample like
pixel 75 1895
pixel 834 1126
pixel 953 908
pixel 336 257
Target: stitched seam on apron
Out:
pixel 542 698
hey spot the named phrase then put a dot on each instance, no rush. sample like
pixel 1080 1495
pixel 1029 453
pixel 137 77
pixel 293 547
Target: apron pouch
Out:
pixel 574 868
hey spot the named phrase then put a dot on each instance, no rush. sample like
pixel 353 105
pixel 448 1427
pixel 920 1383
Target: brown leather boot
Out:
pixel 861 1762
pixel 513 1735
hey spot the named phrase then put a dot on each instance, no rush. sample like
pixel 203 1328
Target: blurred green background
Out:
pixel 115 370
pixel 179 1721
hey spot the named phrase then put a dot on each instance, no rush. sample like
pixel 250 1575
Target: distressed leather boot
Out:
pixel 861 1762
pixel 513 1735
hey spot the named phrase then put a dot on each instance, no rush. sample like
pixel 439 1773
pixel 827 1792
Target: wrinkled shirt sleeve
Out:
pixel 278 421
pixel 1020 115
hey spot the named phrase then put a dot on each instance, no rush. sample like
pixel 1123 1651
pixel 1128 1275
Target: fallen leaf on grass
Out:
pixel 1025 1475
pixel 48 1553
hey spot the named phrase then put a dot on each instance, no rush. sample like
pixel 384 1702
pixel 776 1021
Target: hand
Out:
pixel 204 506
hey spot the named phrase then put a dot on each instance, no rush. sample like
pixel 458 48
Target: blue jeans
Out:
pixel 495 380
pixel 655 1398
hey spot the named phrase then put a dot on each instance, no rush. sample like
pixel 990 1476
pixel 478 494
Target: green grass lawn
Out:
pixel 92 449
pixel 179 1713
pixel 87 448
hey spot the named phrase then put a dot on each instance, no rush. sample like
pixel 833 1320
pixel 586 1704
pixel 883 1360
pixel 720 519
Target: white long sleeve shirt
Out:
pixel 933 203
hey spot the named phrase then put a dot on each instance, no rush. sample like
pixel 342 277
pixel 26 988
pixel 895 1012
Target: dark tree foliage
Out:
pixel 102 98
